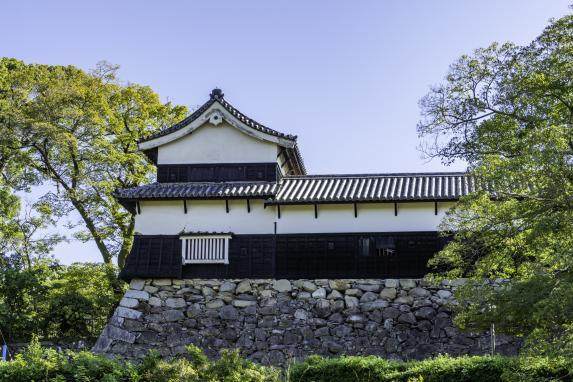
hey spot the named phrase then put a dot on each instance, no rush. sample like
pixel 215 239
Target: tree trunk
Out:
pixel 127 242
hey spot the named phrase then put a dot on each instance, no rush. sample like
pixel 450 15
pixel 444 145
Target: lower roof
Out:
pixel 313 189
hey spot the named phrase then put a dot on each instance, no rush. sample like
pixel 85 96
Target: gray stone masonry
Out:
pixel 273 320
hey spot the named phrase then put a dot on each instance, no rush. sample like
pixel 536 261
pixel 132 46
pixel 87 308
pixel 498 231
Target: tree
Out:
pixel 79 132
pixel 507 110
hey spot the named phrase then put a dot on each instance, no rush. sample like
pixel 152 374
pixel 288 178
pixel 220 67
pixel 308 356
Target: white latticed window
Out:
pixel 205 249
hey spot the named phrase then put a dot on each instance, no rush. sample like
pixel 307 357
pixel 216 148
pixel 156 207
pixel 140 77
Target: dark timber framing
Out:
pixel 327 255
pixel 218 172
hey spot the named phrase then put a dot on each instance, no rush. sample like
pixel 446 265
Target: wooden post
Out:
pixel 355 210
pixel 395 209
pixel 227 205
pixel 316 211
pixel 185 205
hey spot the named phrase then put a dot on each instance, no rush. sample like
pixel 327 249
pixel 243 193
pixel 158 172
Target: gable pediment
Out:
pixel 213 113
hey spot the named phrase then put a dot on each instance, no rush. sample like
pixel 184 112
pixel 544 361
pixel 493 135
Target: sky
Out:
pixel 345 76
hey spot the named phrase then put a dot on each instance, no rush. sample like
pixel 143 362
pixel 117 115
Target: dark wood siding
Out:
pixel 154 256
pixel 292 256
pixel 169 173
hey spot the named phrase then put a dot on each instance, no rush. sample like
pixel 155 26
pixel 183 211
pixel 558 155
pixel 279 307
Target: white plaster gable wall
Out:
pixel 217 144
pixel 168 217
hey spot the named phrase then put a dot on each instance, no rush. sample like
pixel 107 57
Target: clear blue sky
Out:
pixel 345 76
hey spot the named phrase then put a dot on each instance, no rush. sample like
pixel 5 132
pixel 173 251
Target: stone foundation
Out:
pixel 272 320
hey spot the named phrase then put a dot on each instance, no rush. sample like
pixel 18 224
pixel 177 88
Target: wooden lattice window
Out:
pixel 205 249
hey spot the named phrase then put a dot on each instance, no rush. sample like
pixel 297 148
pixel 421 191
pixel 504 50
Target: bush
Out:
pixel 441 369
pixel 39 364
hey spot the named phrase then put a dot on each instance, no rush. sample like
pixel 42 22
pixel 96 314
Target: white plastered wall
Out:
pixel 217 144
pixel 168 217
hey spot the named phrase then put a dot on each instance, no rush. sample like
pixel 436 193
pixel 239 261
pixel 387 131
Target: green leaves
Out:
pixel 78 131
pixel 507 111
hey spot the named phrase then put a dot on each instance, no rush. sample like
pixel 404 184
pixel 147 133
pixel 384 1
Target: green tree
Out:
pixel 507 111
pixel 79 132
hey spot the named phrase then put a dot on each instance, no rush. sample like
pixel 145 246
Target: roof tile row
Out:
pixel 318 189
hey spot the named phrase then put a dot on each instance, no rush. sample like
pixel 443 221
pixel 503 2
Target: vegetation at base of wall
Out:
pixel 441 369
pixel 40 364
pixel 53 301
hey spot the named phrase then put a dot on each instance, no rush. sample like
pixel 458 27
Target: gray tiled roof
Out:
pixel 194 190
pixel 318 189
pixel 373 188
pixel 217 96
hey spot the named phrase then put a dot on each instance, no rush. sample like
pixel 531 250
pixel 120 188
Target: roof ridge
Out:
pixel 390 174
pixel 218 96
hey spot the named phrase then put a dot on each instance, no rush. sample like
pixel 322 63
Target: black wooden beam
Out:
pixel 316 211
pixel 435 208
pixel 248 205
pixel 395 209
pixel 138 208
pixel 227 205
pixel 355 210
pixel 279 211
pixel 185 205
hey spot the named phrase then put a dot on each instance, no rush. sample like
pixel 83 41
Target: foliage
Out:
pixel 78 132
pixel 441 369
pixel 55 301
pixel 507 111
pixel 38 364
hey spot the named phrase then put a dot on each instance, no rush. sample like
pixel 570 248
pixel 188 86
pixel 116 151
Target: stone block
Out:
pixel 228 286
pixel 137 284
pixel 388 293
pixel 173 315
pixel 407 283
pixel 137 294
pixel 243 303
pixel 244 287
pixel 129 302
pixel 419 292
pixel 319 293
pixel 119 334
pixel 334 295
pixel 309 286
pixel 353 292
pixel 154 301
pixel 282 285
pixel 340 285
pixel 175 303
pixel 351 302
pixel 444 294
pixel 368 297
pixel 161 282
pixel 391 283
pixel 228 313
pixel 404 300
pixel 128 313
pixel 215 304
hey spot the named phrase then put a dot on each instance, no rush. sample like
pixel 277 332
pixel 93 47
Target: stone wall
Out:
pixel 272 320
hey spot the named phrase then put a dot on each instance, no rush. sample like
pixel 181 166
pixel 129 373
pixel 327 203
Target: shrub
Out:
pixel 39 364
pixel 440 369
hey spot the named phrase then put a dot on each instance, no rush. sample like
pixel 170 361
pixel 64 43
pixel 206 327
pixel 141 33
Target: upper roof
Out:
pixel 218 96
pixel 217 103
pixel 315 189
